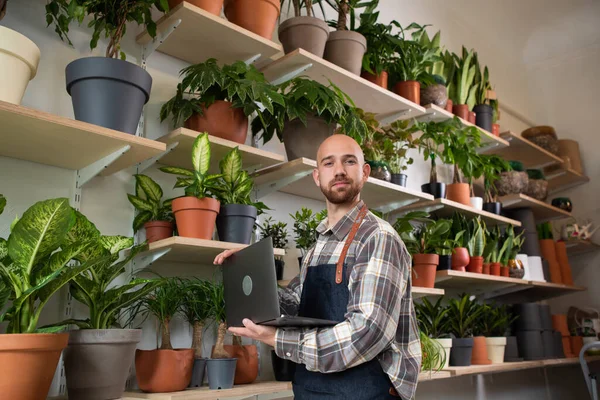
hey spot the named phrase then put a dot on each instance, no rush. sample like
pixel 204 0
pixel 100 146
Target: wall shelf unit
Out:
pixel 520 149
pixel 581 247
pixel 541 211
pixel 417 292
pixel 565 179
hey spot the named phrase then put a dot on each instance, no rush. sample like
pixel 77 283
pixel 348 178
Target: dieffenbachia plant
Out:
pixel 148 201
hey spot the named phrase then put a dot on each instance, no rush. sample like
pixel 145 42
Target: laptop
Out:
pixel 251 290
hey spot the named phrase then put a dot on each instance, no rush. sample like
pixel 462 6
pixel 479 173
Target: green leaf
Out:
pixel 114 244
pixel 140 219
pixel 3 249
pixel 231 166
pixel 140 204
pixel 2 203
pixel 178 171
pixel 152 189
pixel 201 154
pixel 59 259
pixel 83 230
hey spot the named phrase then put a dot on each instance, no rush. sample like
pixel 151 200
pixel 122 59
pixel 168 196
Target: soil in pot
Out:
pixel 529 317
pixel 475 265
pixel 279 266
pixel 196 217
pixel 459 192
pixel 19 59
pixel 485 269
pixel 483 116
pixel 162 371
pixel 346 49
pixel 494 208
pixel 410 90
pixel 446 344
pixel 511 354
pixel 284 369
pixel 549 253
pixel 461 111
pixel 505 271
pixel 198 372
pixel 235 223
pixel 221 120
pixel 559 324
pixel 108 92
pixel 434 94
pixel 496 347
pixel 445 263
pixel 27 364
pixel 302 140
pixel 221 373
pixel 212 6
pixel 246 369
pixel 258 16
pixel 479 355
pixel 424 267
pixel 460 258
pixel 530 345
pixel 495 269
pixel 97 362
pixel 158 230
pixel 563 261
pixel 308 33
pixel 436 189
pixel 462 350
pixel 399 179
pixel 380 79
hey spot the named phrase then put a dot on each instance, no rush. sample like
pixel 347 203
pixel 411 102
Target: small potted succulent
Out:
pixel 278 233
pixel 493 166
pixel 257 16
pixel 306 32
pixel 219 100
pixel 476 245
pixel 305 229
pixel 463 313
pixel 496 320
pixel 154 214
pixel 484 111
pixel 433 320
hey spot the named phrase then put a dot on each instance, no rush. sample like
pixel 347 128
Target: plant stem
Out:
pixel 309 12
pixel 197 339
pixel 344 8
pixel 112 50
pixel 236 340
pixel 165 335
pixel 296 7
pixel 456 178
pixel 433 172
pixel 219 350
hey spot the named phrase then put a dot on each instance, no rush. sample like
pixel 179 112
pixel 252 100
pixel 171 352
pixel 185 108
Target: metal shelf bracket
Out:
pixel 143 260
pixel 253 59
pixel 291 75
pixel 265 189
pixel 144 165
pixel 386 119
pixel 160 38
pixel 84 175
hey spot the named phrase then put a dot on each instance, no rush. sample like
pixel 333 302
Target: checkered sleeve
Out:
pixel 289 297
pixel 377 283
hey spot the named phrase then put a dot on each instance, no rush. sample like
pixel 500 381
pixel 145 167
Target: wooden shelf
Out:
pixel 541 211
pixel 565 179
pixel 446 208
pixel 204 393
pixel 366 95
pixel 181 155
pixel 417 292
pixel 488 140
pixel 37 136
pixel 193 251
pixel 434 375
pixel 531 155
pixel 294 177
pixel 581 247
pixel 202 35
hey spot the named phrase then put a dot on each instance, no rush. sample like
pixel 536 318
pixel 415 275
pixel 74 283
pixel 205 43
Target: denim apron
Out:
pixel 325 296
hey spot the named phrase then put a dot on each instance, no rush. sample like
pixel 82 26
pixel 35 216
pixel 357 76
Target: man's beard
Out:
pixel 341 194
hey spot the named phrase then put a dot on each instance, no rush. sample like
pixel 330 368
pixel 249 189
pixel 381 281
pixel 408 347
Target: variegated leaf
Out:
pixel 183 182
pixel 83 231
pixel 59 259
pixel 140 219
pixel 3 249
pixel 178 171
pixel 114 244
pixel 231 166
pixel 201 154
pixel 152 189
pixel 79 293
pixel 140 204
pixel 2 203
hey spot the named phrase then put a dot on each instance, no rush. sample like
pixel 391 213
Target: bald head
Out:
pixel 340 144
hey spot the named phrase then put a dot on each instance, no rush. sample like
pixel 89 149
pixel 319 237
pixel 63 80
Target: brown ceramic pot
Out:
pixel 576 344
pixel 346 50
pixel 379 80
pixel 196 217
pixel 258 16
pixel 472 117
pixel 459 192
pixel 460 258
pixel 559 324
pixel 496 129
pixel 495 269
pixel 566 340
pixel 461 111
pixel 162 371
pixel 212 6
pixel 449 105
pixel 475 265
pixel 424 269
pixel 308 33
pixel 410 90
pixel 27 364
pixel 158 230
pixel 549 253
pixel 486 269
pixel 505 271
pixel 246 369
pixel 221 120
pixel 563 260
pixel 480 354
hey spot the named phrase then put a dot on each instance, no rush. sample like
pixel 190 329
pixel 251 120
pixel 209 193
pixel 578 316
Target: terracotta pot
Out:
pixel 220 120
pixel 449 106
pixel 196 217
pixel 162 371
pixel 246 369
pixel 566 341
pixel 258 16
pixel 495 269
pixel 308 33
pixel 496 129
pixel 504 271
pixel 461 111
pixel 480 353
pixel 486 269
pixel 460 258
pixel 27 364
pixel 559 324
pixel 424 269
pixel 576 344
pixel 549 253
pixel 346 50
pixel 563 261
pixel 475 265
pixel 158 230
pixel 212 6
pixel 459 192
pixel 472 117
pixel 410 90
pixel 379 80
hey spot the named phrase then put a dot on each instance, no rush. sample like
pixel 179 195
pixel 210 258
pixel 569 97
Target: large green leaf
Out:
pixel 201 154
pixel 41 230
pixel 178 171
pixel 231 166
pixel 83 290
pixel 114 244
pixel 84 230
pixel 141 204
pixel 58 260
pixel 3 249
pixel 2 203
pixel 140 219
pixel 152 189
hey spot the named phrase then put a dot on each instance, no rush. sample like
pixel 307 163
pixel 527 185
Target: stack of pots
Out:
pixel 511 354
pixel 528 328
pixel 530 252
pixel 552 342
pixel 559 323
pixel 563 261
pixel 548 248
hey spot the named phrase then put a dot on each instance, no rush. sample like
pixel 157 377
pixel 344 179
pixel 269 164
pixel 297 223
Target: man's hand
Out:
pixel 221 257
pixel 265 334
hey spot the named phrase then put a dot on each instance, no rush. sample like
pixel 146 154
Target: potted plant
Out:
pixel 106 91
pixel 463 313
pixel 434 355
pixel 278 233
pixel 514 180
pixel 433 322
pixel 537 186
pixel 495 322
pixel 461 231
pixel 19 59
pixel 376 147
pixel 479 355
pixel 495 117
pixel 484 112
pixel 462 88
pixel 502 246
pixel 258 16
pixel 305 32
pixel 449 242
pixel 219 100
pixel 237 215
pixel 310 115
pixel 196 212
pixel 221 366
pixel 493 166
pixel 436 91
pixel 154 214
pixel 476 245
pixel 305 229
pixel 164 369
pixel 33 267
pixel 398 159
pixel 212 6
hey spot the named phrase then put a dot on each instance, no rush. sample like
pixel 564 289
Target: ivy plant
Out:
pixel 148 201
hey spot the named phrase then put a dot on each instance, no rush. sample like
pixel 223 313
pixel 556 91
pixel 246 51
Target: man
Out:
pixel 358 273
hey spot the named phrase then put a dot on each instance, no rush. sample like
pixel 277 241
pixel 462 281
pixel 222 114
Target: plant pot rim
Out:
pixel 424 257
pixel 165 350
pixel 21 47
pixel 203 203
pixel 104 336
pixel 486 107
pixel 444 340
pixel 220 359
pixel 274 3
pixel 242 210
pixel 497 340
pixel 33 341
pixel 303 20
pixel 348 35
pixel 465 342
pixel 158 223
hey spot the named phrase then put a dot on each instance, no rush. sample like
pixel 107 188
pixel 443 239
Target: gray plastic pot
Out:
pixel 483 116
pixel 558 345
pixel 511 354
pixel 460 354
pixel 399 179
pixel 546 317
pixel 108 92
pixel 97 362
pixel 528 317
pixel 346 49
pixel 235 223
pixel 198 372
pixel 548 344
pixel 525 216
pixel 308 33
pixel 302 140
pixel 530 345
pixel 221 373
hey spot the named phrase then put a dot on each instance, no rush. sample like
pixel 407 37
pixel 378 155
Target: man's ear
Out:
pixel 366 171
pixel 315 175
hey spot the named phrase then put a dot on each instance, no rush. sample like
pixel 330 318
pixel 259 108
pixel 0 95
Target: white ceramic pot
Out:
pixel 536 272
pixel 477 203
pixel 447 345
pixel 495 349
pixel 523 258
pixel 19 59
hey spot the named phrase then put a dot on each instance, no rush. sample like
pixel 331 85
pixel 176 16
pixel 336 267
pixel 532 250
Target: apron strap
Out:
pixel 340 264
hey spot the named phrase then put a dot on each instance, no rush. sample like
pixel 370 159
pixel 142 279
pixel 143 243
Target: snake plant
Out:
pixel 476 243
pixel 148 201
pixel 464 76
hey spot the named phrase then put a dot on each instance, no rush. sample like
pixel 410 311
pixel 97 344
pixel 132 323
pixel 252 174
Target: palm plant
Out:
pixel 463 314
pixel 432 317
pixel 495 320
pixel 164 303
pixel 148 201
pixel 196 309
pixel 216 298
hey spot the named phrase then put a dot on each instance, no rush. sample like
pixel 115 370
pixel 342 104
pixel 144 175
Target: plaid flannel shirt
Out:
pixel 380 320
